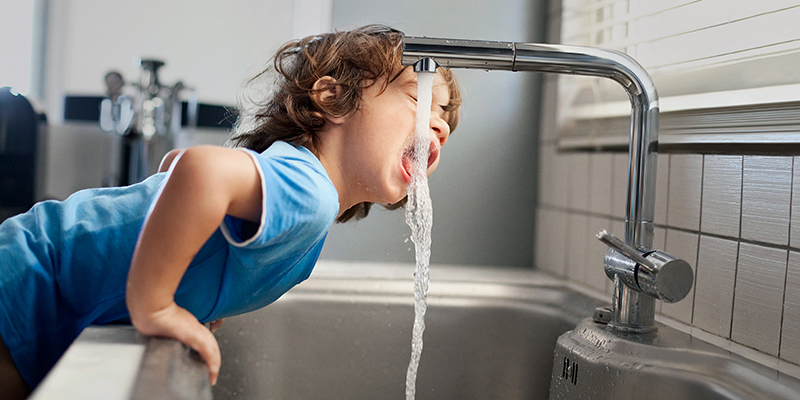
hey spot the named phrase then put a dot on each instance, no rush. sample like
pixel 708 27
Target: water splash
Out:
pixel 419 216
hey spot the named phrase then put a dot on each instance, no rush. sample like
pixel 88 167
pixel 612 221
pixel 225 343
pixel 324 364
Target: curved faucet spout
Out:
pixel 633 311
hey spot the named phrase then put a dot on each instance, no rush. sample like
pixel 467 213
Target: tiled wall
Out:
pixel 735 218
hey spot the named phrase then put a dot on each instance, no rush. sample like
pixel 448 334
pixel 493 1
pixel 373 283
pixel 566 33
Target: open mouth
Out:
pixel 433 154
pixel 407 163
pixel 407 159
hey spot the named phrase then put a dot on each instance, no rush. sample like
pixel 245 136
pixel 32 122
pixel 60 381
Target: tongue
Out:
pixel 408 164
pixel 434 153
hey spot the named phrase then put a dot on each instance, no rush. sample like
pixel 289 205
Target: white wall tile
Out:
pixel 685 176
pixel 578 181
pixel 722 195
pixel 766 196
pixel 662 189
pixel 549 112
pixel 551 189
pixel 617 228
pixel 660 243
pixel 577 241
pixel 619 189
pixel 555 177
pixel 682 245
pixel 716 277
pixel 794 234
pixel 600 183
pixel 594 275
pixel 790 334
pixel 545 171
pixel 551 237
pixel 660 238
pixel 758 303
pixel 562 177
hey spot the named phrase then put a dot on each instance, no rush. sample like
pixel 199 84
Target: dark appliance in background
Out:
pixel 19 126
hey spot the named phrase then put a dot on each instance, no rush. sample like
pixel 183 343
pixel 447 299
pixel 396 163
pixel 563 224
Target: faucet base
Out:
pixel 632 329
pixel 634 312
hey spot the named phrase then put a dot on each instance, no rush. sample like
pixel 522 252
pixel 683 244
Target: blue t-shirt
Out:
pixel 64 265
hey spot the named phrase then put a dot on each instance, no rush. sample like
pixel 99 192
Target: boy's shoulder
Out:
pixel 294 157
pixel 299 198
pixel 296 172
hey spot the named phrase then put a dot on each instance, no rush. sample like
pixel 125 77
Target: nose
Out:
pixel 440 129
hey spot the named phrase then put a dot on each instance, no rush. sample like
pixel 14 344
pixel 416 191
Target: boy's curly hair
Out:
pixel 356 59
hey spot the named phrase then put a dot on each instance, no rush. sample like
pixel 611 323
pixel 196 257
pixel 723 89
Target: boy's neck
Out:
pixel 330 155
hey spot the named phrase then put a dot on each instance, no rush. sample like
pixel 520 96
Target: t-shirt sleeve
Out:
pixel 299 203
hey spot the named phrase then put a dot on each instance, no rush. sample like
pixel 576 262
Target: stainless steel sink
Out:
pixel 346 334
pixel 492 333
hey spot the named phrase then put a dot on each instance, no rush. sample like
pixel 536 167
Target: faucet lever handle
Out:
pixel 626 250
pixel 654 273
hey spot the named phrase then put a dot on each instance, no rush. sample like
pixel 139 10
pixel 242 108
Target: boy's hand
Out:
pixel 214 325
pixel 176 322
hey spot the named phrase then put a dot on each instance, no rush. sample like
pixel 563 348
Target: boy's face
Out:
pixel 381 134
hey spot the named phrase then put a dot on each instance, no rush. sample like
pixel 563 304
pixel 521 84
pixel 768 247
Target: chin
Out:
pixel 395 195
pixel 393 199
pixel 394 189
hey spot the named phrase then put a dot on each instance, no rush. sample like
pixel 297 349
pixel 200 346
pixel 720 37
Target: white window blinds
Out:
pixel 725 69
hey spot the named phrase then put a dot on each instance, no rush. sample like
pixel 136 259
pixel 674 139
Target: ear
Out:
pixel 325 90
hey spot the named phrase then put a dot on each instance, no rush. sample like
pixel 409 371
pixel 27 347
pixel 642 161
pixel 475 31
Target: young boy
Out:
pixel 224 230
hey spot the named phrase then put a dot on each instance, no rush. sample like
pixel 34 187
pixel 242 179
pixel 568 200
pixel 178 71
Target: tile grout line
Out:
pixel 565 254
pixel 675 228
pixel 569 233
pixel 666 213
pixel 738 251
pixel 666 203
pixel 700 229
pixel 786 270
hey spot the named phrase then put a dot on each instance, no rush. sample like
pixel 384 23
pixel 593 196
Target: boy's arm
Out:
pixel 205 184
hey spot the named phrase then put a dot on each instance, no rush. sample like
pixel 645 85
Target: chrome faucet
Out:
pixel 148 119
pixel 640 274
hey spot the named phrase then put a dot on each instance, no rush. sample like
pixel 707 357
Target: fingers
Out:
pixel 177 323
pixel 204 343
pixel 216 324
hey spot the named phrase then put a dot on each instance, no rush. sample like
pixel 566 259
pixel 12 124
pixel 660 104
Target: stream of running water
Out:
pixel 419 216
